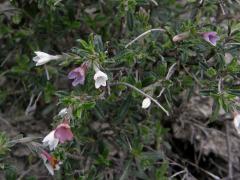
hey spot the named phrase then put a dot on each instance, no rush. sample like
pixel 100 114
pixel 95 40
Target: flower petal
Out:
pixel 72 75
pixel 146 103
pixel 63 112
pixel 78 74
pixel 211 37
pixel 236 122
pixel 50 141
pixel 100 79
pixel 63 133
pixel 41 54
pixel 50 162
pixel 97 84
pixel 49 168
pixel 42 61
pixel 36 58
pixel 78 80
pixel 100 74
pixel 43 58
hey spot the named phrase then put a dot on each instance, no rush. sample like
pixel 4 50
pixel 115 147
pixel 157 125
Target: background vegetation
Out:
pixel 114 138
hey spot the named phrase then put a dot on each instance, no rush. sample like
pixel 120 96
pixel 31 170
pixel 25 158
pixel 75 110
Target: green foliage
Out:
pixel 112 132
pixel 4 148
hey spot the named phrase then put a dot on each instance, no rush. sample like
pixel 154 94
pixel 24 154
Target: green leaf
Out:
pixel 88 105
pixel 161 173
pixel 123 109
pixel 17 18
pixel 149 79
pixel 233 67
pixel 130 21
pixel 98 43
pixel 234 92
pixel 125 173
pixel 211 72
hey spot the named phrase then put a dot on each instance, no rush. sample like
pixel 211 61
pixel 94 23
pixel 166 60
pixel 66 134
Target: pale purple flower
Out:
pixel 210 37
pixel 78 75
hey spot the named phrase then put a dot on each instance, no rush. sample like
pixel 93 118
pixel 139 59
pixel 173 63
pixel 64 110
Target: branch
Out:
pixel 228 142
pixel 171 70
pixel 24 173
pixel 141 92
pixel 143 34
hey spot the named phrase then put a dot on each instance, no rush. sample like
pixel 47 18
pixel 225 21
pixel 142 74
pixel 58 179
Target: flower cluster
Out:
pixel 210 37
pixel 78 75
pixel 60 134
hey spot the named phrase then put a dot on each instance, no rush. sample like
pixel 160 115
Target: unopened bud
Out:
pixel 180 37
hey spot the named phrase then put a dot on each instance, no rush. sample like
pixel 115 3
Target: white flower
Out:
pixel 100 78
pixel 63 112
pixel 236 122
pixel 50 140
pixel 146 103
pixel 43 58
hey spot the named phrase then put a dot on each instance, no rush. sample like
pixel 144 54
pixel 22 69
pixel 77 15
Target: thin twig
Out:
pixel 220 85
pixel 228 142
pixel 32 105
pixel 5 121
pixel 154 2
pixel 75 157
pixel 23 140
pixel 194 77
pixel 141 92
pixel 178 173
pixel 203 170
pixel 143 34
pixel 28 170
pixel 171 70
pixel 221 4
pixel 47 73
pixel 234 177
pixel 154 85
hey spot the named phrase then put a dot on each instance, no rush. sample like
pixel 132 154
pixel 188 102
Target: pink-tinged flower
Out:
pixel 50 162
pixel 210 37
pixel 78 75
pixel 61 134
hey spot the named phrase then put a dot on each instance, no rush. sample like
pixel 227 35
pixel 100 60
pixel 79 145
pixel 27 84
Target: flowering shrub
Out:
pixel 105 78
